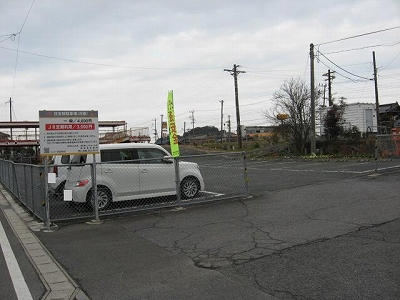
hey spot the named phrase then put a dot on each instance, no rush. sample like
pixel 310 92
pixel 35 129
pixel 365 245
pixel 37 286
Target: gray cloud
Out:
pixel 121 57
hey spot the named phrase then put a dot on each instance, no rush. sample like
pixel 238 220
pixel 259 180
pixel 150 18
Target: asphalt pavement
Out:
pixel 321 239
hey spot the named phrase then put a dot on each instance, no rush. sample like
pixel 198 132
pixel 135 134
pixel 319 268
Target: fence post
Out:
pixel 95 196
pixel 376 154
pixel 246 177
pixel 177 180
pixel 47 224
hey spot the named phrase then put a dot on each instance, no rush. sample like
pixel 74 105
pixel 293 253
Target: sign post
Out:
pixel 173 141
pixel 67 132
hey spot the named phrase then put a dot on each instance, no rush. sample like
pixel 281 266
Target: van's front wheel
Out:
pixel 190 187
pixel 103 195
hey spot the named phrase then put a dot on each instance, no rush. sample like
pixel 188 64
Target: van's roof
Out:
pixel 129 145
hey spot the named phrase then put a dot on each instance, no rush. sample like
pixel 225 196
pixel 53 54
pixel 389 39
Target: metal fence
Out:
pixel 224 176
pixel 128 186
pixel 388 145
pixel 26 183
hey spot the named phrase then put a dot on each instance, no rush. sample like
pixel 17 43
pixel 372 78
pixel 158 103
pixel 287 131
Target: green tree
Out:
pixel 206 130
pixel 334 120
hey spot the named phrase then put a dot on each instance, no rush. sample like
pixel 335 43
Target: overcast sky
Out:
pixel 121 57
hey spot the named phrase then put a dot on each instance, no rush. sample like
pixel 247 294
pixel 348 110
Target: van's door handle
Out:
pixel 108 171
pixel 144 170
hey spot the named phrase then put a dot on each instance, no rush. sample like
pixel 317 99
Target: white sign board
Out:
pixel 68 132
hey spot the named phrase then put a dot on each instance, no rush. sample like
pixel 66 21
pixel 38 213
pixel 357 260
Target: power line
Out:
pixel 391 62
pixel 16 58
pixel 26 18
pixel 342 68
pixel 366 47
pixel 9 37
pixel 12 36
pixel 107 65
pixel 358 35
pixel 344 76
pixel 15 67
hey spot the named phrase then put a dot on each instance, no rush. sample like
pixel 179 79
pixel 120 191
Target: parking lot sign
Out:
pixel 68 132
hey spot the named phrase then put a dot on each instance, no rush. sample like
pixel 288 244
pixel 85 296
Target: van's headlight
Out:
pixel 81 183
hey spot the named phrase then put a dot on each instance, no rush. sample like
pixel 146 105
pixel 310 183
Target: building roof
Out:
pixel 389 108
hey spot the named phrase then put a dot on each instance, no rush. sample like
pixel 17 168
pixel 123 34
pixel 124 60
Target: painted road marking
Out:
pixel 20 286
pixel 213 194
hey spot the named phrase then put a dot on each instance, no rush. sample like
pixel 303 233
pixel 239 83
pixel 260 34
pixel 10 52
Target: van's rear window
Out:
pixel 78 159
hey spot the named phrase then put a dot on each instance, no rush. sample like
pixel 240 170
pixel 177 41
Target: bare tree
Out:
pixel 294 100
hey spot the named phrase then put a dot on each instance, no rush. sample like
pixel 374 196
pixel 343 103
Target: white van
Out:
pixel 130 171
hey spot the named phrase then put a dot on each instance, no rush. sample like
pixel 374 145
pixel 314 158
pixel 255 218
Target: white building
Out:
pixel 362 115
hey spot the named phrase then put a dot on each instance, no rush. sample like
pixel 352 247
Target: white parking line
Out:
pixel 212 193
pixel 20 286
pixel 322 171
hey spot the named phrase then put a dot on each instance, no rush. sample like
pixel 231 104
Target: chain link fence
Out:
pixel 388 145
pixel 126 186
pixel 138 185
pixel 26 183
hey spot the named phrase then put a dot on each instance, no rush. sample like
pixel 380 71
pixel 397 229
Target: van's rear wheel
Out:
pixel 103 195
pixel 190 187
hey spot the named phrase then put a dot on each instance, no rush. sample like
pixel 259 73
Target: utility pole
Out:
pixel 229 128
pixel 330 78
pixel 162 129
pixel 155 130
pixel 312 135
pixel 184 131
pixel 193 120
pixel 325 93
pixel 222 117
pixel 11 132
pixel 376 94
pixel 234 72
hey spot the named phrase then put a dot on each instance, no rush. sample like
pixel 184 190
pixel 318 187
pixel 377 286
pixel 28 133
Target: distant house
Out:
pixel 258 131
pixel 389 115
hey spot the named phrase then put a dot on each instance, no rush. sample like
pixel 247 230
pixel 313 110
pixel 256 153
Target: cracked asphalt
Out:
pixel 324 239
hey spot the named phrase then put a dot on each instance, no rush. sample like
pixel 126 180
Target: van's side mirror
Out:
pixel 168 159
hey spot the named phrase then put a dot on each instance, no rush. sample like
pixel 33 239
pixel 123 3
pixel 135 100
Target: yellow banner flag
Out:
pixel 173 135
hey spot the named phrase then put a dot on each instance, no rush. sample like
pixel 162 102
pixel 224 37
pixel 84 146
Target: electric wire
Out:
pixel 342 68
pixel 15 69
pixel 390 62
pixel 358 35
pixel 17 55
pixel 9 36
pixel 109 65
pixel 366 47
pixel 26 18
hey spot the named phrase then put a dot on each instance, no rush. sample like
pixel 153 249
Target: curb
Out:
pixel 55 279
